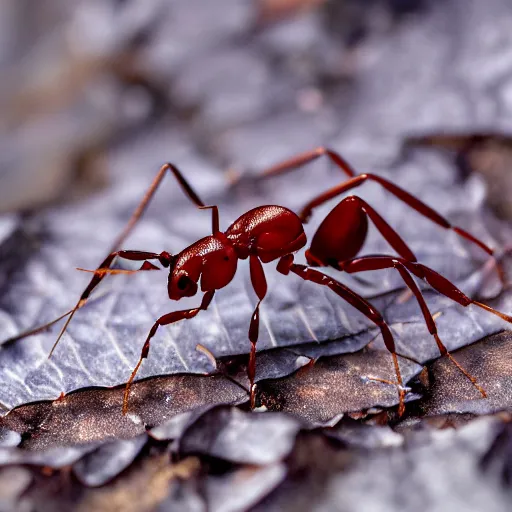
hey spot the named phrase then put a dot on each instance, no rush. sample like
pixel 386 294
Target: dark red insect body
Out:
pixel 340 236
pixel 270 233
pixel 267 232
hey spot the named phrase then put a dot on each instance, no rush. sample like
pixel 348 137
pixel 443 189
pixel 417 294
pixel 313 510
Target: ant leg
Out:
pixel 114 250
pixel 434 279
pixel 299 161
pixel 148 196
pixel 356 181
pixel 379 262
pixel 447 288
pixel 259 284
pixel 115 271
pixel 286 265
pixel 167 319
pixel 398 192
pixel 99 274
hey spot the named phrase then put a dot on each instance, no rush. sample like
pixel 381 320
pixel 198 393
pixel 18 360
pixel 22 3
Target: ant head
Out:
pixel 183 278
pixel 180 282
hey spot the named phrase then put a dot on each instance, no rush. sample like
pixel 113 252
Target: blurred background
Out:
pixel 92 87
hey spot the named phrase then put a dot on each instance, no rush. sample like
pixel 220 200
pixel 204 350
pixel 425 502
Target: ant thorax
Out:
pixel 268 232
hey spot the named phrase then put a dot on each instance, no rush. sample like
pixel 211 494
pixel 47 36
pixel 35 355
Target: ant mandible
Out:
pixel 269 233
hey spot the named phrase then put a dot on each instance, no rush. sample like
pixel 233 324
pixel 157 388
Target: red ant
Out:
pixel 269 233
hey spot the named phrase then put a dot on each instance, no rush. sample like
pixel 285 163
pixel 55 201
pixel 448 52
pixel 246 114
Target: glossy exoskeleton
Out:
pixel 274 233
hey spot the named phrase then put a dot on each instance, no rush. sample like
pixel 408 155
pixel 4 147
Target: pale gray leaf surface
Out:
pixel 244 487
pixel 174 427
pixel 14 481
pixel 58 457
pixel 244 100
pixel 426 472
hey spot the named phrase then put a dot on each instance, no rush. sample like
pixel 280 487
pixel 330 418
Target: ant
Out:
pixel 273 233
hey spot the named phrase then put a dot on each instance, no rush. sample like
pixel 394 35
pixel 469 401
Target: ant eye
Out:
pixel 183 282
pixel 181 285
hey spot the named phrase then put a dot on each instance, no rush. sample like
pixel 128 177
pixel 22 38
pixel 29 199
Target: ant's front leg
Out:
pixel 188 190
pixel 103 269
pixel 101 272
pixel 167 319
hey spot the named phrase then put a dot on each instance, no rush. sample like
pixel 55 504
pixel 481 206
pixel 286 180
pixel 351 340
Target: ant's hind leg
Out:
pixel 379 262
pixel 298 161
pixel 286 265
pixel 448 289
